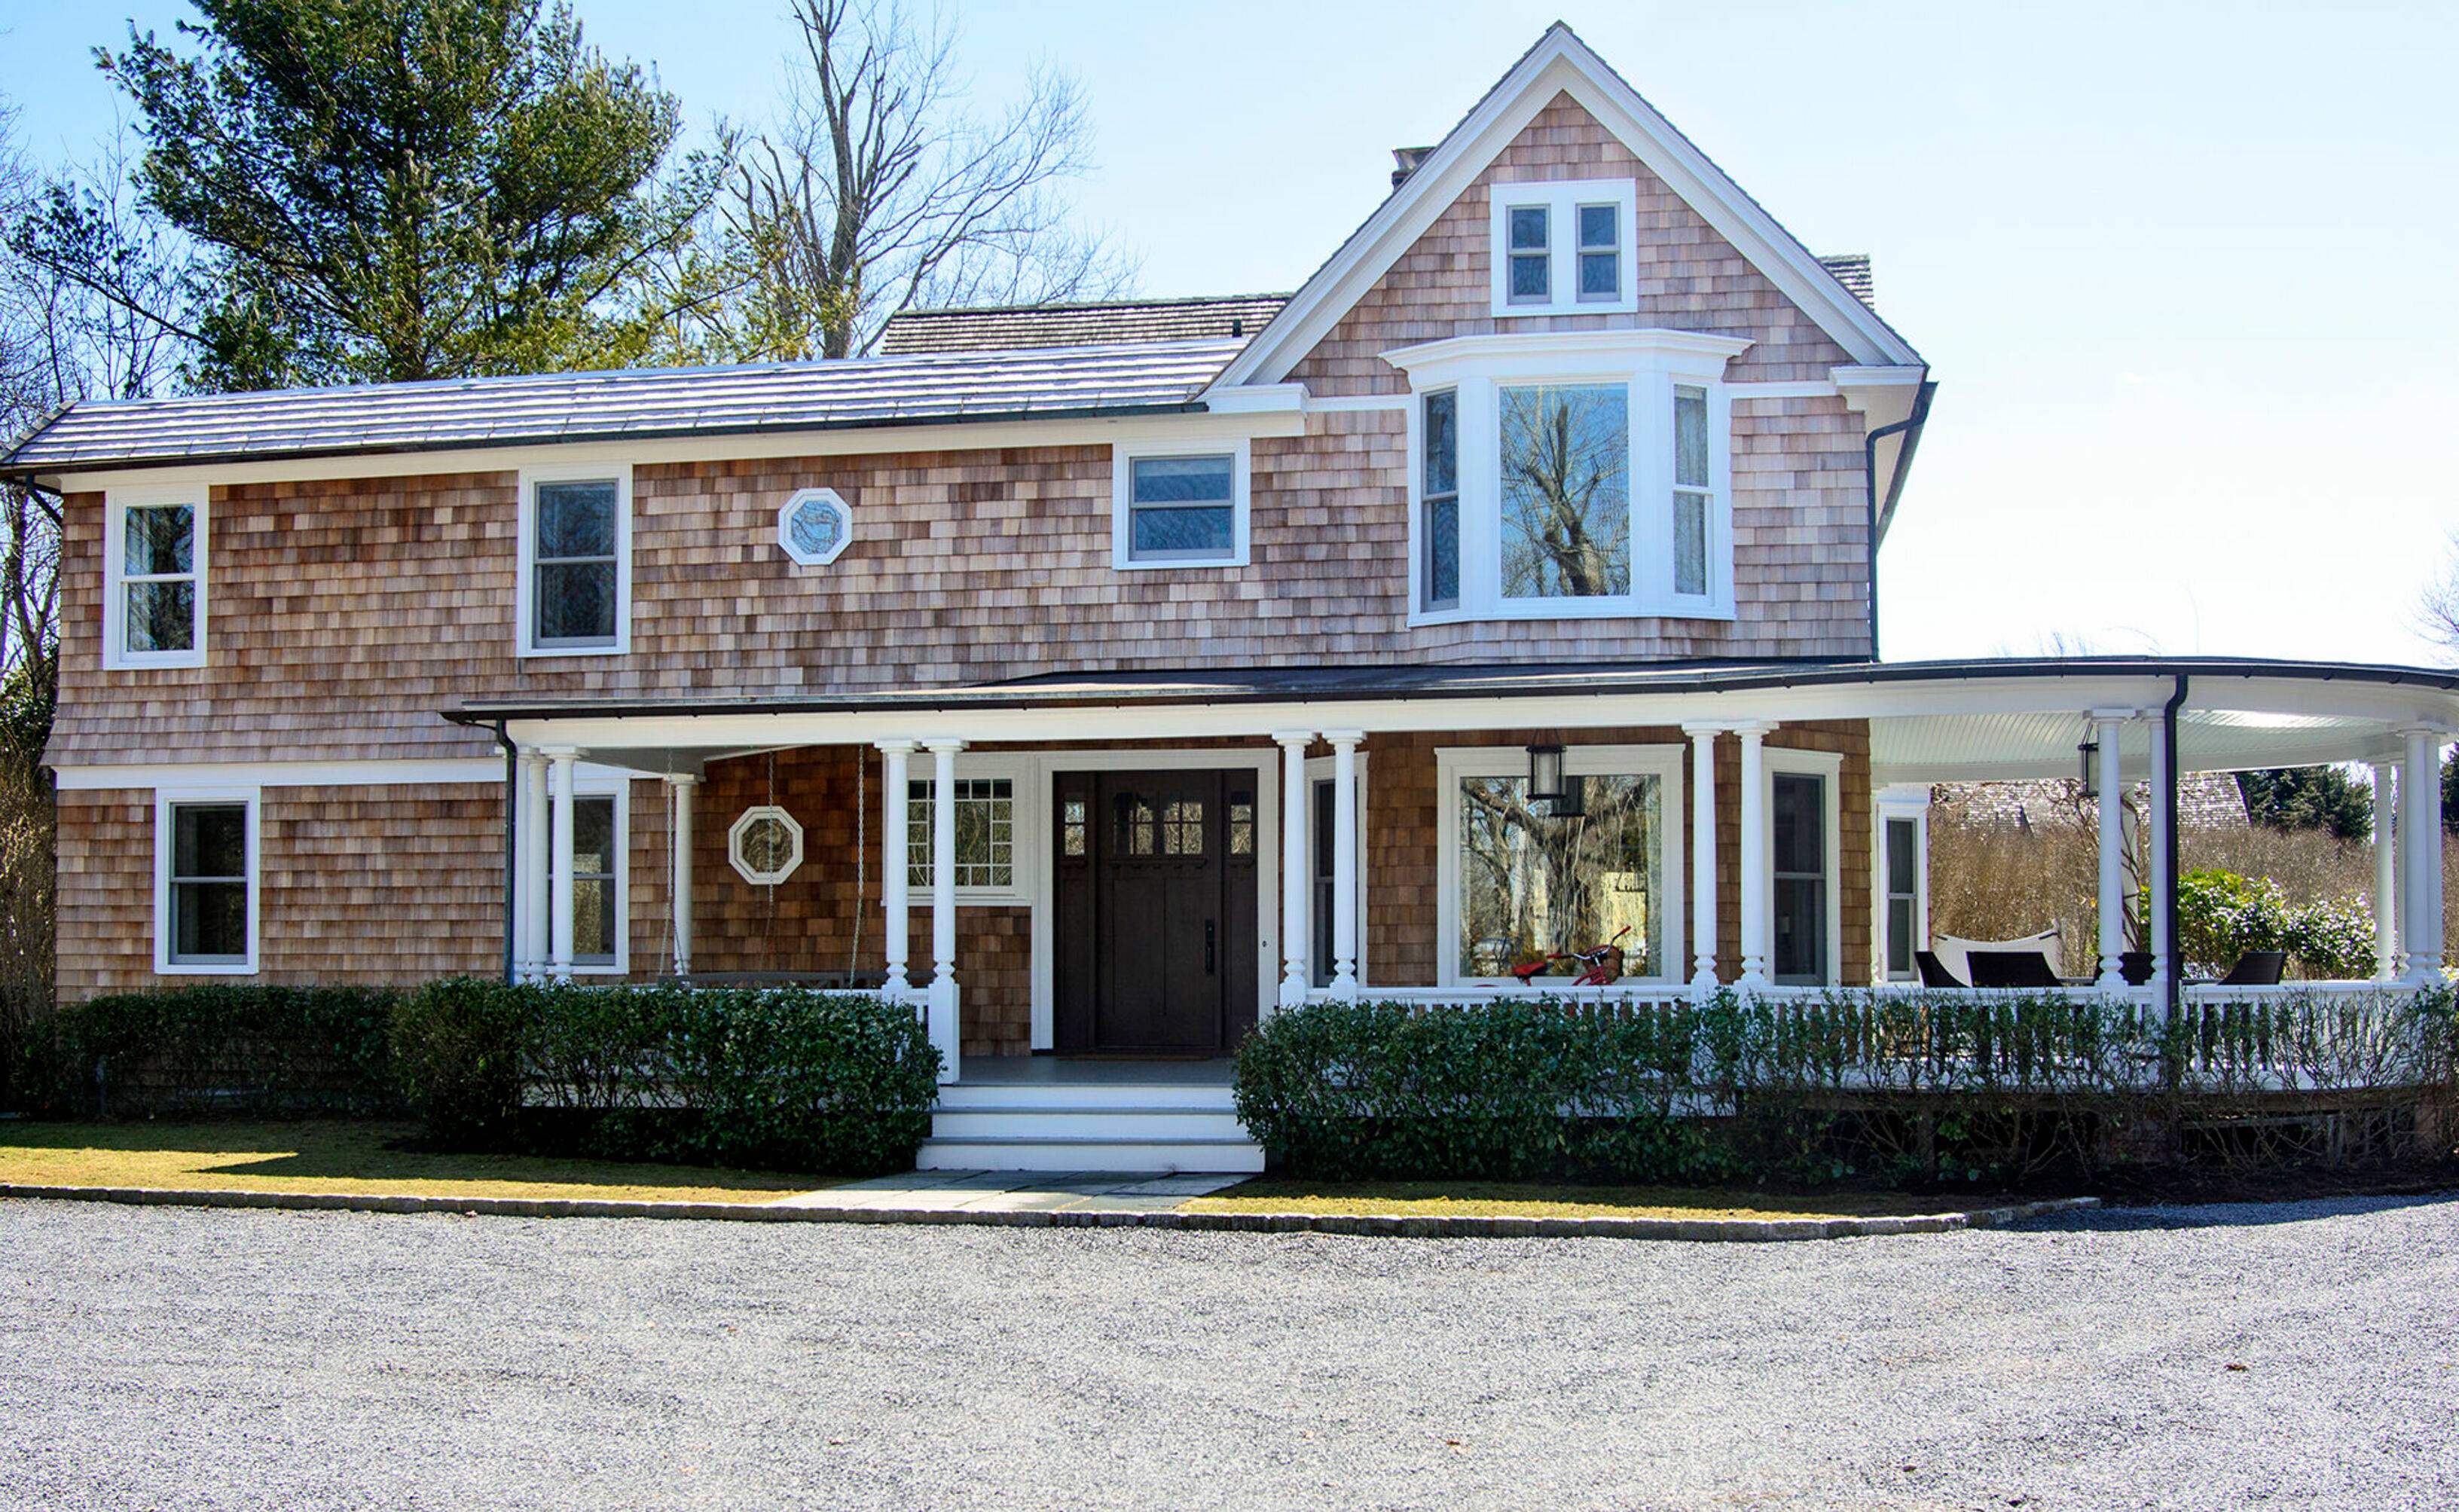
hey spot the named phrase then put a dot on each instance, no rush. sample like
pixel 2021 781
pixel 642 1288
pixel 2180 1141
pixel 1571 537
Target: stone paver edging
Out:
pixel 1414 1227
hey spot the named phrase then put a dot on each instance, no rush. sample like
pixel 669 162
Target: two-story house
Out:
pixel 1105 677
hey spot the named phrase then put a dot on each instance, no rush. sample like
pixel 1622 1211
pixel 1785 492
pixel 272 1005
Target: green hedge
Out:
pixel 219 1048
pixel 773 1077
pixel 1899 1086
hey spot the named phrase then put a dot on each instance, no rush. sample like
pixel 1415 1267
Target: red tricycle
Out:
pixel 1602 963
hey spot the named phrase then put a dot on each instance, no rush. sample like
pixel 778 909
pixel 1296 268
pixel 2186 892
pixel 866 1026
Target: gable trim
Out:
pixel 1560 64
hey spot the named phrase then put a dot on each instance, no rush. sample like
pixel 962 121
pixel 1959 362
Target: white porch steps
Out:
pixel 1110 1125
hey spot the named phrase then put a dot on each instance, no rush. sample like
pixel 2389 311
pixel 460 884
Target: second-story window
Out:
pixel 575 557
pixel 1694 505
pixel 1564 247
pixel 1438 572
pixel 1566 489
pixel 154 603
pixel 1180 505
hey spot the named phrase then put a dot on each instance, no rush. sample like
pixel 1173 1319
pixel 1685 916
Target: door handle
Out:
pixel 1207 947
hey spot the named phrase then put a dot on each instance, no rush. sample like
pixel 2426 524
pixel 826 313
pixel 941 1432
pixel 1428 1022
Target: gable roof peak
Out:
pixel 1557 63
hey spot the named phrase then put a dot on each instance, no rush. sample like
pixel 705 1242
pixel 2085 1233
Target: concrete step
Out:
pixel 1123 1122
pixel 1161 1155
pixel 969 1095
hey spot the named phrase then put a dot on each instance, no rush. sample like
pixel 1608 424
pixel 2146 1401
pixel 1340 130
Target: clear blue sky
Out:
pixel 2184 273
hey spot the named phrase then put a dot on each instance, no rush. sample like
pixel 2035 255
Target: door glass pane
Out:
pixel 1181 826
pixel 1530 884
pixel 1242 824
pixel 1071 828
pixel 1136 831
pixel 1566 490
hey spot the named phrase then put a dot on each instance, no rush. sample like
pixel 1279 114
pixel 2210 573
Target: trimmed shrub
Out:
pixel 220 1048
pixel 1898 1086
pixel 738 1076
pixel 2221 916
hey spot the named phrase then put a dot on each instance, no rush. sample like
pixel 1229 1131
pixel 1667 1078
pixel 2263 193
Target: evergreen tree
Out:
pixel 2309 798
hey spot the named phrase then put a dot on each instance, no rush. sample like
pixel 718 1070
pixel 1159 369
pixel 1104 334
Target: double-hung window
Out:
pixel 154 608
pixel 597 891
pixel 575 560
pixel 1565 474
pixel 1564 248
pixel 1179 504
pixel 986 849
pixel 206 888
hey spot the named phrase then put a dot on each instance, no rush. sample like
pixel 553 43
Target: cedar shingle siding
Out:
pixel 347 614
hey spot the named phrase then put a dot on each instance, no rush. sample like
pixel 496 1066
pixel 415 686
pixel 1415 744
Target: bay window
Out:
pixel 1518 883
pixel 1569 474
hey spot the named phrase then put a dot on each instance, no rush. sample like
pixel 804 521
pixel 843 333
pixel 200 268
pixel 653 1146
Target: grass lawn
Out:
pixel 357 1158
pixel 1513 1200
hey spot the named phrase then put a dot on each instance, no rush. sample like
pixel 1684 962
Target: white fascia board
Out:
pixel 435 772
pixel 1561 63
pixel 1538 354
pixel 1256 399
pixel 1883 395
pixel 602 736
pixel 988 436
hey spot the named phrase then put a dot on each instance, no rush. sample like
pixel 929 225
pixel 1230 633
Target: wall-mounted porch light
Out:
pixel 2089 750
pixel 1550 784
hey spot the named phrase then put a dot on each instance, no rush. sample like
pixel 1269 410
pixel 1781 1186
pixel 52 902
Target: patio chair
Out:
pixel 2013 969
pixel 1934 972
pixel 2257 969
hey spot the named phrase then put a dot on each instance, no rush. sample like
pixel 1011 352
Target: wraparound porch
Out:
pixel 1356 849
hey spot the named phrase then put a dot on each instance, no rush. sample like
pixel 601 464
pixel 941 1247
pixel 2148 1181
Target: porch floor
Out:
pixel 1050 1070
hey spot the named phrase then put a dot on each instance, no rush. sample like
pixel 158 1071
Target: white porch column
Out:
pixel 560 760
pixel 2420 837
pixel 1294 746
pixel 535 847
pixel 2108 728
pixel 2387 829
pixel 1703 855
pixel 1759 886
pixel 896 843
pixel 943 1004
pixel 1346 898
pixel 2163 864
pixel 679 795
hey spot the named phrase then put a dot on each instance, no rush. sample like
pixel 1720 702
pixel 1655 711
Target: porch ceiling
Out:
pixel 2003 746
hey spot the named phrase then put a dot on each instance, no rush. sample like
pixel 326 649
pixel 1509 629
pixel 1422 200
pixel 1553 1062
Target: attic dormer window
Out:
pixel 1589 222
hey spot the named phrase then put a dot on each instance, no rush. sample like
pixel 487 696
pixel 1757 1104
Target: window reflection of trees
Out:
pixel 1531 884
pixel 1565 492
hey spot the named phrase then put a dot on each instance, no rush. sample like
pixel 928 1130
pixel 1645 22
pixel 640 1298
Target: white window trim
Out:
pixel 786 525
pixel 1324 770
pixel 164 799
pixel 1907 803
pixel 115 504
pixel 1652 364
pixel 793 849
pixel 1123 456
pixel 1022 851
pixel 1561 199
pixel 525 591
pixel 618 789
pixel 1830 766
pixel 1665 763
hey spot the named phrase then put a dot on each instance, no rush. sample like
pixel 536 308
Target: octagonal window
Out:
pixel 765 844
pixel 814 527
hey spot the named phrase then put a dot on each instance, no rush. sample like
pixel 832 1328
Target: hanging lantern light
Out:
pixel 2089 750
pixel 1550 784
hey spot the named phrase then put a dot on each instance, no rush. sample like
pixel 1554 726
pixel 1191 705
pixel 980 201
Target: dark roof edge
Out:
pixel 1018 695
pixel 118 464
pixel 1083 304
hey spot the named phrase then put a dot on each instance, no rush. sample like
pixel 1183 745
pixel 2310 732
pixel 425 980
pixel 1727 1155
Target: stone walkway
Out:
pixel 1015 1192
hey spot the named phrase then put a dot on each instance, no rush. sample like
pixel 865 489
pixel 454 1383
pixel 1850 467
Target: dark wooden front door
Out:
pixel 1155 926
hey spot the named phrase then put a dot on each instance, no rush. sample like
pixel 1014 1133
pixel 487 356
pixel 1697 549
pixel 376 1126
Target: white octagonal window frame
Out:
pixel 821 500
pixel 743 827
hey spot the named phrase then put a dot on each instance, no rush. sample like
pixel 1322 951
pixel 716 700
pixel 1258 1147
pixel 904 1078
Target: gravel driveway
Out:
pixel 161 1358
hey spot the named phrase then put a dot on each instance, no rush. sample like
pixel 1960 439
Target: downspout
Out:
pixel 2173 967
pixel 1909 428
pixel 511 823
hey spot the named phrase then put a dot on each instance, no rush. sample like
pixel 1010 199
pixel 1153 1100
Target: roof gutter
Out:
pixel 1880 511
pixel 2171 969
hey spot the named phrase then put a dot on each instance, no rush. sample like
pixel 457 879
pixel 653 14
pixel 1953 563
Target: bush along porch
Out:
pixel 1887 1087
pixel 777 1077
